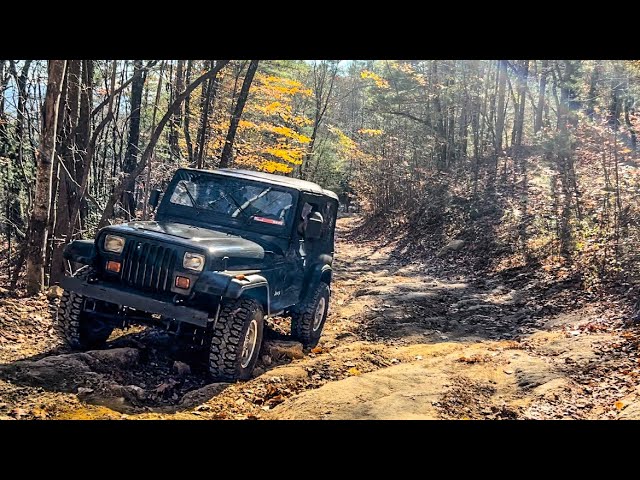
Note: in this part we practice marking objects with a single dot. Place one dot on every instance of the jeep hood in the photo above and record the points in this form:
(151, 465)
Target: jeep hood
(216, 243)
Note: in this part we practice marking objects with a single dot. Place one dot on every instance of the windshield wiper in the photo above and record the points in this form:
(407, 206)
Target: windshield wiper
(235, 202)
(194, 204)
(242, 208)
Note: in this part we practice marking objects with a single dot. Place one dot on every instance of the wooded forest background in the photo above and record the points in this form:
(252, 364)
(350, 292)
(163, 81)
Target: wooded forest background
(533, 161)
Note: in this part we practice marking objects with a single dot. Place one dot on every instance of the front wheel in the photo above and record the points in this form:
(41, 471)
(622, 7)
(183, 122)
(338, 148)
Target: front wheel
(236, 340)
(308, 319)
(79, 328)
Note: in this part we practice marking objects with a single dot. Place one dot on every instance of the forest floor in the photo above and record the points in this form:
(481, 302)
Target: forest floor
(404, 339)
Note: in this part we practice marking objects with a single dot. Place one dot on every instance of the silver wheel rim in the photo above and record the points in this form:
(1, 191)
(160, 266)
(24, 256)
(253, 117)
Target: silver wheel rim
(249, 344)
(317, 318)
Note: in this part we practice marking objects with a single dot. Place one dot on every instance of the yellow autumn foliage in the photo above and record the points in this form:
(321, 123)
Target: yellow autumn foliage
(270, 134)
(290, 155)
(370, 132)
(379, 81)
(270, 131)
(273, 167)
(290, 133)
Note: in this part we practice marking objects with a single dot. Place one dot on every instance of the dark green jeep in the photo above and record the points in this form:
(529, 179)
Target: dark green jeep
(226, 248)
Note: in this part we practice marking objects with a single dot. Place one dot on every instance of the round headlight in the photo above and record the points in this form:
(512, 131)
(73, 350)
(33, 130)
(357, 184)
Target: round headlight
(193, 261)
(113, 243)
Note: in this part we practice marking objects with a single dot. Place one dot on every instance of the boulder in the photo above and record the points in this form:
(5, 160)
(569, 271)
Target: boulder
(181, 368)
(452, 246)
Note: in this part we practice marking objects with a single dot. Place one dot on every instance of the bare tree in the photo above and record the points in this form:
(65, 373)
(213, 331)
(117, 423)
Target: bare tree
(129, 179)
(227, 151)
(323, 78)
(37, 239)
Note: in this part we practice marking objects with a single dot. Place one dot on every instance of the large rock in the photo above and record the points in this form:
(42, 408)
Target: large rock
(281, 348)
(181, 368)
(116, 357)
(452, 246)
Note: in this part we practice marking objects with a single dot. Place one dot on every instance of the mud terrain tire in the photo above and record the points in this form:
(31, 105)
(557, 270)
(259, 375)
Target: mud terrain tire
(307, 320)
(79, 330)
(236, 340)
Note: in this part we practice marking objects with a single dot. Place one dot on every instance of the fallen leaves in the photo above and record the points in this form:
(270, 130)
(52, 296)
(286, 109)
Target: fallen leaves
(354, 371)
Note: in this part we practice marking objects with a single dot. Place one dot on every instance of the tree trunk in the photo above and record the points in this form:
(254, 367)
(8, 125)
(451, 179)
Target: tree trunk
(3, 123)
(174, 148)
(187, 115)
(37, 240)
(147, 183)
(129, 180)
(537, 123)
(500, 114)
(63, 228)
(208, 96)
(227, 151)
(593, 89)
(131, 155)
(321, 76)
(518, 121)
(633, 135)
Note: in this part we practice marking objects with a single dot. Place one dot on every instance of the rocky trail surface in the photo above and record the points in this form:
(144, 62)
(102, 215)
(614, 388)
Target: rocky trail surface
(403, 340)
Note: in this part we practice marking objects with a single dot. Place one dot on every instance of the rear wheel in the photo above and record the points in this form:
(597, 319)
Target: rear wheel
(307, 320)
(236, 340)
(78, 327)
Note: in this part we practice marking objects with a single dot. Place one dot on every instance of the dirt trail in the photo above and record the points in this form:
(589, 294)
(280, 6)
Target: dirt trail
(403, 340)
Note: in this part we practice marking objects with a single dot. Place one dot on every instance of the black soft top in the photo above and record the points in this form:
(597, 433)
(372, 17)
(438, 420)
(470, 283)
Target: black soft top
(283, 181)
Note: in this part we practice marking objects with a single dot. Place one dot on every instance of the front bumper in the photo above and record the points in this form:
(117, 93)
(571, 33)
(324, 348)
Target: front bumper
(125, 296)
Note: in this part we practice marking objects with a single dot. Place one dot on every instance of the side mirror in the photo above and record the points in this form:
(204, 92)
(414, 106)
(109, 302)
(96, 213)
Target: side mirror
(314, 226)
(154, 198)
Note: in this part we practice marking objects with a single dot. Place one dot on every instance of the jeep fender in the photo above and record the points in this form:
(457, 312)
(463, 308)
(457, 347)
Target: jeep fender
(228, 286)
(80, 251)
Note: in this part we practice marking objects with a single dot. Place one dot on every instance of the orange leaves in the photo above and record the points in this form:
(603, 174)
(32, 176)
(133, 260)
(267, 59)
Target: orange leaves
(270, 131)
(289, 133)
(289, 155)
(285, 86)
(378, 80)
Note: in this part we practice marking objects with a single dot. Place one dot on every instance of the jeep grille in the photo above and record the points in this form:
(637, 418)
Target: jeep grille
(148, 266)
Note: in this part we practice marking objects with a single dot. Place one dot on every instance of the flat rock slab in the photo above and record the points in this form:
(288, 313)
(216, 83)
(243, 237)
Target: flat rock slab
(399, 392)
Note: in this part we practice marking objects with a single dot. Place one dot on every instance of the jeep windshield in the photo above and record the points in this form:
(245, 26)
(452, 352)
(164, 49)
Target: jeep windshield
(229, 201)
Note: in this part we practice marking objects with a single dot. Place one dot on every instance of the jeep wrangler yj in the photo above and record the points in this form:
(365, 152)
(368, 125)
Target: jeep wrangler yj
(227, 248)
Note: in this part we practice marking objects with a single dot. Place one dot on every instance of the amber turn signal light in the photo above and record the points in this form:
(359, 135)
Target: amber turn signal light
(182, 282)
(114, 266)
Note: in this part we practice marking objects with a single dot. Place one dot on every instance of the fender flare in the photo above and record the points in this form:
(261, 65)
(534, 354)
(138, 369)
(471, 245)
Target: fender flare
(226, 285)
(80, 251)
